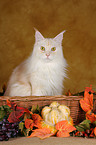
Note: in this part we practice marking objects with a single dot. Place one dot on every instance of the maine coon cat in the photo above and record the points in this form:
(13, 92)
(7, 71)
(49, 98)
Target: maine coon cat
(43, 72)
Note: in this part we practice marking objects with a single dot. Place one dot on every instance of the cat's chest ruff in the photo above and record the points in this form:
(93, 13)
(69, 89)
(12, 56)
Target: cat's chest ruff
(47, 81)
(43, 73)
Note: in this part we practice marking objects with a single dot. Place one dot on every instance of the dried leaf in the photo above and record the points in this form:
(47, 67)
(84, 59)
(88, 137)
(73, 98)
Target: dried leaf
(26, 116)
(91, 116)
(41, 133)
(10, 104)
(95, 131)
(64, 128)
(87, 102)
(16, 113)
(68, 93)
(29, 123)
(37, 119)
(89, 89)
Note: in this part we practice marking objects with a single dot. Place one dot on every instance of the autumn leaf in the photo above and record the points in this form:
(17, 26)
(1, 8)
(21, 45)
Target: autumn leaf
(91, 116)
(43, 124)
(95, 131)
(11, 104)
(26, 116)
(68, 93)
(41, 133)
(37, 120)
(89, 89)
(29, 123)
(84, 125)
(87, 102)
(16, 113)
(64, 128)
(92, 132)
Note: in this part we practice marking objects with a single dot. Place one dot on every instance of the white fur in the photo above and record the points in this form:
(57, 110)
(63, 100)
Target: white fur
(40, 74)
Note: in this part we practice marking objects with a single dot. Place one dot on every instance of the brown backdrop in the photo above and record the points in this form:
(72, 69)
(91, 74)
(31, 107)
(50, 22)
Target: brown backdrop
(18, 19)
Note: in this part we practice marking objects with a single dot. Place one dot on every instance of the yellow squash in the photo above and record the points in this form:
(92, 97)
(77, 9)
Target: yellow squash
(55, 113)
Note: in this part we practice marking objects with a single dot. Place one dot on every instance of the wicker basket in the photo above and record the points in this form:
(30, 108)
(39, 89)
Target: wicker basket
(71, 101)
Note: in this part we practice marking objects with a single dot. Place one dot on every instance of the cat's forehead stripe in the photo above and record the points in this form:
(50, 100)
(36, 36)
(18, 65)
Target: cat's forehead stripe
(48, 43)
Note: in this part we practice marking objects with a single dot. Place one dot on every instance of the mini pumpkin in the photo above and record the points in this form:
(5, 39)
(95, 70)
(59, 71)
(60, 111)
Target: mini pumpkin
(55, 113)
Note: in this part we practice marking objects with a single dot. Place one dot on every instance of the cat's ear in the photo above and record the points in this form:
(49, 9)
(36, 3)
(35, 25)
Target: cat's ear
(59, 37)
(38, 36)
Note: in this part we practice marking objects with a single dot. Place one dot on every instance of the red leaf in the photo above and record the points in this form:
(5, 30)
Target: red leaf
(12, 105)
(29, 123)
(64, 128)
(89, 89)
(13, 118)
(16, 113)
(41, 133)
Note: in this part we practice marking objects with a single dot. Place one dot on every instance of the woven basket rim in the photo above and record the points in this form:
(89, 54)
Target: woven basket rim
(42, 98)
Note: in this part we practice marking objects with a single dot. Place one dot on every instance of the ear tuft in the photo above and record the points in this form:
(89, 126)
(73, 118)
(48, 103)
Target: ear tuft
(59, 37)
(38, 35)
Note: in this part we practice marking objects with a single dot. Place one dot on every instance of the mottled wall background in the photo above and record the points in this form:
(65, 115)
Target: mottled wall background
(18, 19)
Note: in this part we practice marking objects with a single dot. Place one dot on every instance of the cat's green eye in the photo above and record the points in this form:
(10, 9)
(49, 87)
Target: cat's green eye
(53, 48)
(42, 48)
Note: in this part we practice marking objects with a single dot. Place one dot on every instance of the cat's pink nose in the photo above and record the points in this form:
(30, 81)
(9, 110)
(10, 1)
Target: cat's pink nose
(47, 55)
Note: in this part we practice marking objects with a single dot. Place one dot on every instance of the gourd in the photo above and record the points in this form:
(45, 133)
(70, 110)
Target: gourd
(55, 113)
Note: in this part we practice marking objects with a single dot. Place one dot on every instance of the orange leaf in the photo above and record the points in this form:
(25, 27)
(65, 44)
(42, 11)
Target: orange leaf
(92, 133)
(8, 103)
(12, 105)
(89, 89)
(87, 102)
(88, 98)
(29, 123)
(95, 131)
(41, 133)
(62, 134)
(91, 116)
(68, 93)
(86, 107)
(64, 128)
(37, 119)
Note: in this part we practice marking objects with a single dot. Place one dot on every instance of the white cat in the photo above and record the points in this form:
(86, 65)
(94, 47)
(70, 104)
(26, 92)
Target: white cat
(42, 74)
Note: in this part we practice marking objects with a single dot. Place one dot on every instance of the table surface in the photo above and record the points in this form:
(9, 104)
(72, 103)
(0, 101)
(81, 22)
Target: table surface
(50, 141)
